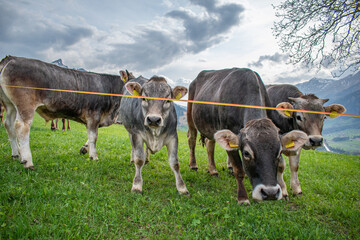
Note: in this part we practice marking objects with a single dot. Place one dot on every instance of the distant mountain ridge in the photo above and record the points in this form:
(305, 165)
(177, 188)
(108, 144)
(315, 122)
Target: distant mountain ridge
(345, 91)
(59, 63)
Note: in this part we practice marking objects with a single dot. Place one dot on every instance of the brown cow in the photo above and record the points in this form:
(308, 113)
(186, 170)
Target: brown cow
(92, 110)
(289, 96)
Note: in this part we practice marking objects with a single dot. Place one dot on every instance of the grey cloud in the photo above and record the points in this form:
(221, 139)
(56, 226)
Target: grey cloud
(277, 58)
(155, 48)
(24, 29)
(150, 49)
(207, 31)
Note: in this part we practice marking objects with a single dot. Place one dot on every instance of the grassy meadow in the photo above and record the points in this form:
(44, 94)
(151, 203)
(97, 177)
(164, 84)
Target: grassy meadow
(68, 196)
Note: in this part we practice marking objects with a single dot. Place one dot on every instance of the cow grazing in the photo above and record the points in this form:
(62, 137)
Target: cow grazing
(153, 123)
(55, 126)
(245, 129)
(94, 111)
(289, 97)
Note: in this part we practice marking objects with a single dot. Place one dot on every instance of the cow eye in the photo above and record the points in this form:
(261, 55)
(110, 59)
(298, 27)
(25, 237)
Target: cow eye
(298, 117)
(247, 154)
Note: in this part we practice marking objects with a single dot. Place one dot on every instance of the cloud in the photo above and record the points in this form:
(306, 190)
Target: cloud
(204, 31)
(27, 31)
(23, 29)
(156, 46)
(276, 58)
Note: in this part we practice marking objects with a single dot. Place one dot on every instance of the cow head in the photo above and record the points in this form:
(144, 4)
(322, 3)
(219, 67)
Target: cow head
(155, 111)
(261, 147)
(126, 75)
(311, 123)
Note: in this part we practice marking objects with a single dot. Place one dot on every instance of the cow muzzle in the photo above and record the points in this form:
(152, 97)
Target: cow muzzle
(262, 192)
(153, 121)
(314, 142)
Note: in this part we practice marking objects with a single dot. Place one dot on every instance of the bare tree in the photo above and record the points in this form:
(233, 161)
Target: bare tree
(320, 33)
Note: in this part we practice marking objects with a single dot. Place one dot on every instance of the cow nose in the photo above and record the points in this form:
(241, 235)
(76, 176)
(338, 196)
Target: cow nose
(316, 141)
(153, 121)
(264, 192)
(272, 193)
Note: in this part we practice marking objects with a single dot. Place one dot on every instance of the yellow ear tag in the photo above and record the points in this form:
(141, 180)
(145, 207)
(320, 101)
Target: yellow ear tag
(124, 79)
(233, 145)
(290, 144)
(178, 96)
(135, 93)
(287, 113)
(333, 115)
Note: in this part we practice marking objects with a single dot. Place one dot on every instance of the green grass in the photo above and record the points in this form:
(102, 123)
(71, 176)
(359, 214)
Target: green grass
(68, 196)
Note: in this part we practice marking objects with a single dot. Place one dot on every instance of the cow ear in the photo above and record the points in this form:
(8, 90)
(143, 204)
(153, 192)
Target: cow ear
(227, 140)
(123, 76)
(333, 109)
(179, 92)
(130, 75)
(285, 113)
(134, 88)
(291, 142)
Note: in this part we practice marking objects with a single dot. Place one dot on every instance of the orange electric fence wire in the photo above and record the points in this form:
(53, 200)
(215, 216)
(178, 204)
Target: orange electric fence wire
(192, 101)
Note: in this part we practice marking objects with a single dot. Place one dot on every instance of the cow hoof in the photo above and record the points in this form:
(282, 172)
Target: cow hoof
(286, 197)
(214, 174)
(186, 192)
(15, 157)
(147, 162)
(136, 190)
(244, 202)
(83, 150)
(194, 168)
(94, 158)
(23, 161)
(298, 194)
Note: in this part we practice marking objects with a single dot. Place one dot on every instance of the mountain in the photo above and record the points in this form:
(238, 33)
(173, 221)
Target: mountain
(59, 63)
(344, 91)
(342, 134)
(181, 116)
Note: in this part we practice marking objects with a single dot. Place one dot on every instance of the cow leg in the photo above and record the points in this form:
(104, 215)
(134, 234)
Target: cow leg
(22, 127)
(68, 122)
(192, 134)
(9, 125)
(239, 174)
(294, 180)
(210, 147)
(175, 166)
(228, 165)
(92, 129)
(146, 155)
(84, 149)
(57, 124)
(138, 155)
(280, 178)
(63, 122)
(53, 125)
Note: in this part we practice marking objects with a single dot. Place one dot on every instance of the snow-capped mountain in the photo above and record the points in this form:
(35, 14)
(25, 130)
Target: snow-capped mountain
(59, 63)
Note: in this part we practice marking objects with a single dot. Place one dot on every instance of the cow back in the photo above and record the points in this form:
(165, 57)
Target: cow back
(237, 86)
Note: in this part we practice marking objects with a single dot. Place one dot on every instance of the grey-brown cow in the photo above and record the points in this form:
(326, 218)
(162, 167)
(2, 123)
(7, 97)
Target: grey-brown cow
(245, 129)
(289, 97)
(94, 111)
(153, 123)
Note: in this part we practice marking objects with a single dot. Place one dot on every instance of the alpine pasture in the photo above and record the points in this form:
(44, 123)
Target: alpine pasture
(68, 196)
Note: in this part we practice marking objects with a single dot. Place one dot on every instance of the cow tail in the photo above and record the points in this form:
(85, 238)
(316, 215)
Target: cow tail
(4, 61)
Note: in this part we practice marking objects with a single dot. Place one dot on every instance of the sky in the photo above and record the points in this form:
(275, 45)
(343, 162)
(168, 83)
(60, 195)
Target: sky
(176, 39)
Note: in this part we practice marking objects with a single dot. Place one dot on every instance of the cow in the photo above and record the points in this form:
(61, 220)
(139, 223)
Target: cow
(54, 124)
(153, 123)
(290, 97)
(21, 80)
(246, 129)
